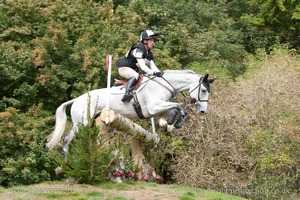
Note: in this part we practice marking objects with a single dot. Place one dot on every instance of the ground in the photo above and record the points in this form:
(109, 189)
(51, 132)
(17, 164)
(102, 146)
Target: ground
(111, 191)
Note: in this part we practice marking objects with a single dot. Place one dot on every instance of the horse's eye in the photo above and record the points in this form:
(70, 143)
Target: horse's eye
(203, 90)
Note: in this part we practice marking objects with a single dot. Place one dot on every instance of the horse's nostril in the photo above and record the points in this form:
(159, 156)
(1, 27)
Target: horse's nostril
(202, 112)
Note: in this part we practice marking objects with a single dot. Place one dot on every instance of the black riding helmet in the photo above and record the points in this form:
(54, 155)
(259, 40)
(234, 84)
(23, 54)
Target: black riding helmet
(147, 35)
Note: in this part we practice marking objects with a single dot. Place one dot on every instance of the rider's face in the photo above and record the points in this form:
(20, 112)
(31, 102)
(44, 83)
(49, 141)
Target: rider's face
(150, 43)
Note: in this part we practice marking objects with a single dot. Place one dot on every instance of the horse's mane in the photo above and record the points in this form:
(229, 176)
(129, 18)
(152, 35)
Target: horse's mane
(179, 71)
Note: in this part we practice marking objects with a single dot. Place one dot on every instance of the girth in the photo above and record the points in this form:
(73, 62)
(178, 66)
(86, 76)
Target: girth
(137, 107)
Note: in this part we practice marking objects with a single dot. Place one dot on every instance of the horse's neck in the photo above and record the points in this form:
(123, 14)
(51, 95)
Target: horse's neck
(180, 82)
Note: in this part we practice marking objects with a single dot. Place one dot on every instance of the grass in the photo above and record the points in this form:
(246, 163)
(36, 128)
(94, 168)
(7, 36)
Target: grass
(190, 193)
(111, 191)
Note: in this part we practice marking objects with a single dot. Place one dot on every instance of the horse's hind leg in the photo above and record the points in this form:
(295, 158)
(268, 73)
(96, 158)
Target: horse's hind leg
(67, 139)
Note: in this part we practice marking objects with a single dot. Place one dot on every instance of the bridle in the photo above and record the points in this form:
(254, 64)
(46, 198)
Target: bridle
(193, 100)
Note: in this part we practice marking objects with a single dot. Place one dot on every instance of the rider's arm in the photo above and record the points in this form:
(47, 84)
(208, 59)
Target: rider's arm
(144, 67)
(153, 66)
(138, 54)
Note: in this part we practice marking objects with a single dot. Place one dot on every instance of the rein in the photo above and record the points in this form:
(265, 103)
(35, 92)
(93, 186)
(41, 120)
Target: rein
(184, 97)
(173, 93)
(173, 90)
(193, 100)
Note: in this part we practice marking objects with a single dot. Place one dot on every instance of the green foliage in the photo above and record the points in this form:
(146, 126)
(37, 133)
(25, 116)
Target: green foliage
(91, 154)
(276, 18)
(50, 51)
(273, 142)
(23, 157)
(19, 89)
(162, 157)
(275, 156)
(90, 157)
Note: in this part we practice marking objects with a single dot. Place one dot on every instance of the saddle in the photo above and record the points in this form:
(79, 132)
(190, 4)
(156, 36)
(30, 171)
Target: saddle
(136, 104)
(118, 82)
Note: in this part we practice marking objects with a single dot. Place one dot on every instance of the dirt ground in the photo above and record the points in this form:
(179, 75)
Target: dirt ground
(137, 192)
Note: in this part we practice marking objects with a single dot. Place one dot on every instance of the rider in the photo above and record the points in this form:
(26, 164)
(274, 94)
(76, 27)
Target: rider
(139, 56)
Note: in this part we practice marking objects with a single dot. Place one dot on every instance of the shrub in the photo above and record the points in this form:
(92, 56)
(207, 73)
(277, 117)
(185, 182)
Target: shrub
(23, 157)
(91, 154)
(249, 140)
(89, 159)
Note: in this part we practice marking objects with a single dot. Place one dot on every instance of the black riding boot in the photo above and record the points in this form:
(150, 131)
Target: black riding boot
(128, 96)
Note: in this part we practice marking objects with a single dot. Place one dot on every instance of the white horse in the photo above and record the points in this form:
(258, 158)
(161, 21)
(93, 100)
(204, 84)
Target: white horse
(154, 95)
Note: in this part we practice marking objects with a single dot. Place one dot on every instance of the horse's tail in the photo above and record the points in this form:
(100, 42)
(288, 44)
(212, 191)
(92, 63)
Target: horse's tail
(60, 125)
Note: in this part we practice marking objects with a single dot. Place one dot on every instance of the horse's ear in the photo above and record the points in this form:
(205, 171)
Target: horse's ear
(205, 78)
(211, 80)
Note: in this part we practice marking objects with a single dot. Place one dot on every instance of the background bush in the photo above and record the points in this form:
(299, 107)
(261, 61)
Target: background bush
(23, 156)
(250, 138)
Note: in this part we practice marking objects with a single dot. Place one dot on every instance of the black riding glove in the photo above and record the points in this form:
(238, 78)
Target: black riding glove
(159, 74)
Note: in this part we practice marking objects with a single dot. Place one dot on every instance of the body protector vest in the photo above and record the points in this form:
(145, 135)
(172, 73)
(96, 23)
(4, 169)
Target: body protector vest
(130, 60)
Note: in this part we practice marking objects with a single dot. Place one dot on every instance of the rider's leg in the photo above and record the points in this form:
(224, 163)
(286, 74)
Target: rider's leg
(132, 75)
(128, 96)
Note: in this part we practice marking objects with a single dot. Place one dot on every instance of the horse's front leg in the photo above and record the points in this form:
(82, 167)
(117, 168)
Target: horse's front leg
(162, 122)
(162, 107)
(172, 116)
(181, 119)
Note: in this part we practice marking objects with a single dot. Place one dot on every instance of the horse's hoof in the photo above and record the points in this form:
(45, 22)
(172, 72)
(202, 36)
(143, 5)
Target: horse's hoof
(170, 128)
(162, 122)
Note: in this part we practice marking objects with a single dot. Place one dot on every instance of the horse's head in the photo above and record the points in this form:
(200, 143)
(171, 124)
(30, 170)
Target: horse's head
(199, 93)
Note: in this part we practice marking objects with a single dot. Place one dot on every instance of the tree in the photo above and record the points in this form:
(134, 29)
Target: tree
(276, 19)
(90, 158)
